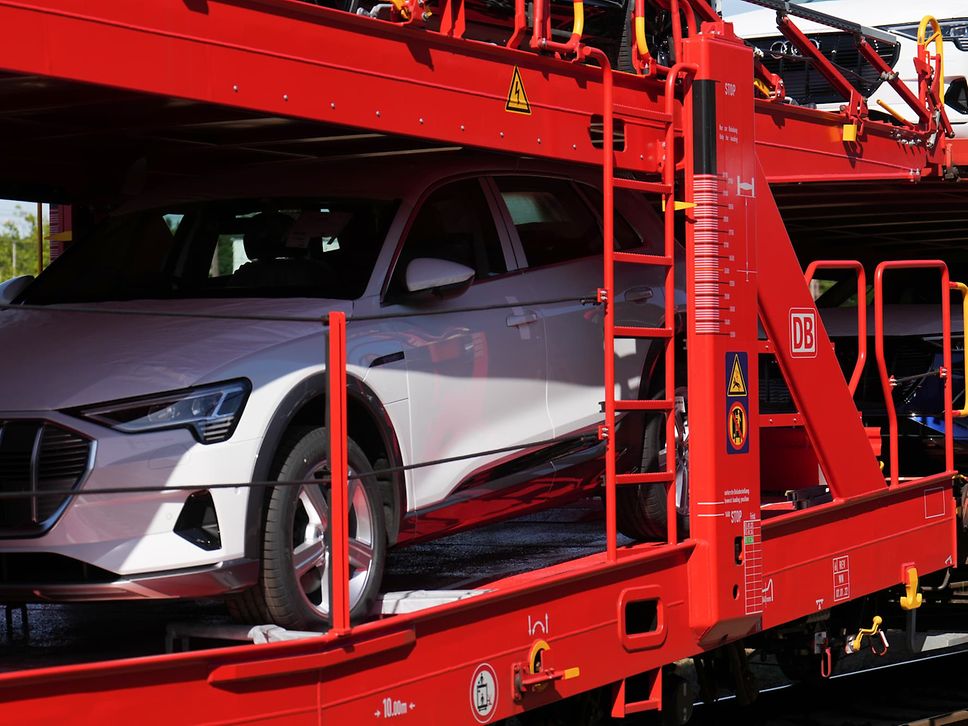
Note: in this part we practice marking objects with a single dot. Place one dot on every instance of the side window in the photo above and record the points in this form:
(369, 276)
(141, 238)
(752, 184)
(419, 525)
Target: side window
(626, 238)
(454, 223)
(553, 221)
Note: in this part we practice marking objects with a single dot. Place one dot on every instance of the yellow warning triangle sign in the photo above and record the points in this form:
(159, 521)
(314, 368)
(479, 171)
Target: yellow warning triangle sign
(517, 99)
(737, 384)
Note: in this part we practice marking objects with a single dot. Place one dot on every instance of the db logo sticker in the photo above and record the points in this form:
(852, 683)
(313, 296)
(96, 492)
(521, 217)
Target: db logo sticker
(483, 693)
(737, 428)
(803, 333)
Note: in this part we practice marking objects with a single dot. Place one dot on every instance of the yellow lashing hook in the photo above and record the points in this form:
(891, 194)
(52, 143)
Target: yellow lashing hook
(911, 599)
(938, 39)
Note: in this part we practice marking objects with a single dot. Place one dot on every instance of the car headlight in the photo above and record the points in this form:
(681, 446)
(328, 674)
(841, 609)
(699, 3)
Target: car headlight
(210, 412)
(953, 29)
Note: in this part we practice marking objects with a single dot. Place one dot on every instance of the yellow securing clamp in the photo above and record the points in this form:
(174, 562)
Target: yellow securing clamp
(762, 87)
(534, 657)
(912, 599)
(578, 24)
(640, 41)
(870, 632)
(938, 39)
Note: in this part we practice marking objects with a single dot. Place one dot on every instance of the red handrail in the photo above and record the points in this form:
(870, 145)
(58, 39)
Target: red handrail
(861, 309)
(944, 373)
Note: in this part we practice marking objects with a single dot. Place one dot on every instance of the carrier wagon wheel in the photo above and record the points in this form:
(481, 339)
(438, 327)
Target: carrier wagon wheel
(293, 586)
(641, 510)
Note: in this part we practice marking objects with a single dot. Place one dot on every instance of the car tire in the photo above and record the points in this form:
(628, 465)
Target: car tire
(296, 519)
(640, 511)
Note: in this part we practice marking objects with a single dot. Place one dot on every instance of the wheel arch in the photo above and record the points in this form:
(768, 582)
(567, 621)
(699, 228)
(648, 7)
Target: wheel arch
(368, 424)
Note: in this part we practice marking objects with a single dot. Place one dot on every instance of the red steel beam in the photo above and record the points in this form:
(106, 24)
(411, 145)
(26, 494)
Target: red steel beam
(294, 59)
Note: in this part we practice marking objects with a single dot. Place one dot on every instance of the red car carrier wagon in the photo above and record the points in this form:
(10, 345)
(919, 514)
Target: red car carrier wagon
(800, 524)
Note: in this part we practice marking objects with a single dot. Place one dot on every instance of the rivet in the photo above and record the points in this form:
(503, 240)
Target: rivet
(502, 134)
(332, 104)
(378, 114)
(285, 96)
(539, 139)
(574, 147)
(462, 127)
(421, 120)
(235, 88)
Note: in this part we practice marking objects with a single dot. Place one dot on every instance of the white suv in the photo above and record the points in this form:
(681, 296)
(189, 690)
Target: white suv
(99, 400)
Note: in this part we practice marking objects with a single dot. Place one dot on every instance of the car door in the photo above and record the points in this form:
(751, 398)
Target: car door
(558, 234)
(477, 368)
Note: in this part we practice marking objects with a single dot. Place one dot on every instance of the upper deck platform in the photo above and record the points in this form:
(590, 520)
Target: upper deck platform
(90, 87)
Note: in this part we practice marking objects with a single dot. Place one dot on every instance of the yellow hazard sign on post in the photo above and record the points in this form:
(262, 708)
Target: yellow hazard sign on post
(517, 98)
(737, 383)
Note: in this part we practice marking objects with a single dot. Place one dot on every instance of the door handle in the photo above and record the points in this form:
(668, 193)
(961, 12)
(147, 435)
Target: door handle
(525, 318)
(638, 294)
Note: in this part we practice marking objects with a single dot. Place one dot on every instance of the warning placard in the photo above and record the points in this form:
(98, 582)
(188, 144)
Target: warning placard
(737, 403)
(517, 101)
(737, 380)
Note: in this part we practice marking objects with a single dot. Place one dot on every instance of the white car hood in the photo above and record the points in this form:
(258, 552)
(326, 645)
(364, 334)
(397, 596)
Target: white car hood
(872, 13)
(60, 359)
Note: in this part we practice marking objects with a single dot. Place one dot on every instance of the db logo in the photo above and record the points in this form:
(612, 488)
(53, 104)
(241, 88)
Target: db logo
(803, 333)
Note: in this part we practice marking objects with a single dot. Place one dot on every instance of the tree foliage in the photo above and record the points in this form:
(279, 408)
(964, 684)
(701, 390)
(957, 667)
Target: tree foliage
(18, 244)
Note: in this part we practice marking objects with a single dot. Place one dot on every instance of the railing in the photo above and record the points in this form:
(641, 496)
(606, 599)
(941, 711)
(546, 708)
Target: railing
(887, 382)
(861, 309)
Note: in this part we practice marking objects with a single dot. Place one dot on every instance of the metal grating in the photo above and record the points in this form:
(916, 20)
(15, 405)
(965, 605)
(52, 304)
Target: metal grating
(38, 457)
(805, 84)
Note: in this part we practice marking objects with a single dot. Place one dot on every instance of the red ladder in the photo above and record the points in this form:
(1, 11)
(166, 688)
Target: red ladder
(606, 295)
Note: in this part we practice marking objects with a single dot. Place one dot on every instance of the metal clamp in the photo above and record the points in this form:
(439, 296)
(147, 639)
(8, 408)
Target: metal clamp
(876, 636)
(537, 673)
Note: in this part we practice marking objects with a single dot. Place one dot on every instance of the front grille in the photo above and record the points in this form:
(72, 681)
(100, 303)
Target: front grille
(961, 42)
(805, 84)
(38, 457)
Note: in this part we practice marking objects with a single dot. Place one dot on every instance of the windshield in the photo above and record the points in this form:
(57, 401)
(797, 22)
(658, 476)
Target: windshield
(256, 248)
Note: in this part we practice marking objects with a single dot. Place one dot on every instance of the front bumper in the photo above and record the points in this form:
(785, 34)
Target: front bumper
(131, 536)
(197, 582)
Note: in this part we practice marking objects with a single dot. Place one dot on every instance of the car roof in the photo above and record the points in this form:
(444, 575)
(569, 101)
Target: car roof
(370, 177)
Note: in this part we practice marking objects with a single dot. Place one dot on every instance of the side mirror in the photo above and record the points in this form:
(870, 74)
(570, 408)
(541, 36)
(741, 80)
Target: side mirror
(10, 290)
(428, 273)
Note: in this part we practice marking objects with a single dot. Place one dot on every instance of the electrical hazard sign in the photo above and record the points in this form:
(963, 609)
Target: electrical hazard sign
(517, 101)
(737, 381)
(737, 403)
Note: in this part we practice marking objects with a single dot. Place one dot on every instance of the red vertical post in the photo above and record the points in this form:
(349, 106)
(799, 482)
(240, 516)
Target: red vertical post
(339, 566)
(722, 278)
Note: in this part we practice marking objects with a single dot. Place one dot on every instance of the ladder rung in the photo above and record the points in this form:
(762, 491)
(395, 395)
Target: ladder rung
(647, 405)
(629, 331)
(646, 477)
(642, 186)
(642, 259)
